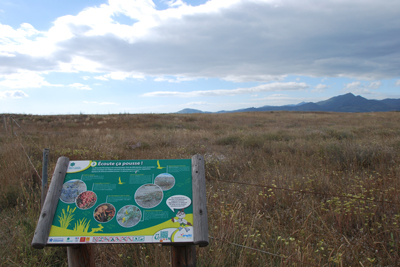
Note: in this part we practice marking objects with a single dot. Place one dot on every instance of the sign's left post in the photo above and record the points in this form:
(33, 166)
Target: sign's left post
(80, 255)
(50, 204)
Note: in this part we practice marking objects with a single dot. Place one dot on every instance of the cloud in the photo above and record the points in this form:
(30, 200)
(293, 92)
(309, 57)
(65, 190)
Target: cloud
(290, 86)
(277, 97)
(101, 78)
(196, 103)
(353, 85)
(320, 88)
(397, 83)
(24, 80)
(5, 54)
(80, 86)
(240, 40)
(121, 76)
(13, 94)
(253, 78)
(173, 80)
(375, 85)
(100, 103)
(282, 99)
(359, 88)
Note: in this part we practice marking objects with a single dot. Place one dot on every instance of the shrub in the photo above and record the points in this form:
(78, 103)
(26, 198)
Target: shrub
(228, 140)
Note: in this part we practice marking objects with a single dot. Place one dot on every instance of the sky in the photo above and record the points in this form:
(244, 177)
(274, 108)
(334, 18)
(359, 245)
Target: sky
(161, 56)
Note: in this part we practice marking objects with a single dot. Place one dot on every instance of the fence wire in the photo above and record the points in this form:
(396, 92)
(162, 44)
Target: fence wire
(33, 166)
(263, 251)
(306, 191)
(23, 148)
(22, 129)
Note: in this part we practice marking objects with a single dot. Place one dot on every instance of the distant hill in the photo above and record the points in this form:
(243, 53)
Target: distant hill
(190, 110)
(341, 103)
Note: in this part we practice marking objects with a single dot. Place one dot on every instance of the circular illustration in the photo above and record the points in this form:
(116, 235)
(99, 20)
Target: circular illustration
(165, 180)
(148, 196)
(71, 190)
(104, 212)
(129, 216)
(86, 200)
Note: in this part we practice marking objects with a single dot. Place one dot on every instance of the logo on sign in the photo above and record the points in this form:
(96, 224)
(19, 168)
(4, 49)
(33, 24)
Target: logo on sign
(118, 239)
(56, 239)
(162, 236)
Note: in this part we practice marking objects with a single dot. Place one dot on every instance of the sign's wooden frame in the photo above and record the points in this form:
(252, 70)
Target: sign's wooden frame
(84, 252)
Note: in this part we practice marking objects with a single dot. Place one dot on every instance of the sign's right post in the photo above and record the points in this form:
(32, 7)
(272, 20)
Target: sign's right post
(185, 255)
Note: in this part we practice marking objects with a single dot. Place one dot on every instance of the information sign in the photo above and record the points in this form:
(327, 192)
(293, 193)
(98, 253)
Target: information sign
(125, 201)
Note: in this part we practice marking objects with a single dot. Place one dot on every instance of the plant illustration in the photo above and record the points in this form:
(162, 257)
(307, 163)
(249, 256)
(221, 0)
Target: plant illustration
(66, 217)
(82, 225)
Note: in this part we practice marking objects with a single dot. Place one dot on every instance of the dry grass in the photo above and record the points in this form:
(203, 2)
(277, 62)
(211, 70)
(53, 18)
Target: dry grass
(332, 153)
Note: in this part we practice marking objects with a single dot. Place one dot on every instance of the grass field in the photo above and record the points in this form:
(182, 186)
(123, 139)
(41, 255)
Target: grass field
(333, 154)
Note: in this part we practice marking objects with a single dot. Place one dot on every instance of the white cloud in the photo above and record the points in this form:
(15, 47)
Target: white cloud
(173, 80)
(13, 94)
(238, 40)
(397, 83)
(290, 86)
(375, 85)
(121, 76)
(80, 86)
(80, 63)
(6, 54)
(175, 3)
(101, 78)
(99, 103)
(353, 85)
(254, 78)
(282, 99)
(359, 88)
(277, 97)
(360, 91)
(320, 87)
(24, 80)
(196, 103)
(85, 78)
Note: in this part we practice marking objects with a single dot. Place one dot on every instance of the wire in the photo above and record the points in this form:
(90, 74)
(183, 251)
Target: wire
(25, 133)
(306, 192)
(31, 162)
(263, 251)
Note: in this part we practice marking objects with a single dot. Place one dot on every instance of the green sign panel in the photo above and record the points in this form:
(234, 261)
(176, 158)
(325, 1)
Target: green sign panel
(125, 201)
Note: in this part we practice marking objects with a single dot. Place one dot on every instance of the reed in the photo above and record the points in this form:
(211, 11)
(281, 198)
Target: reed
(82, 225)
(333, 154)
(66, 217)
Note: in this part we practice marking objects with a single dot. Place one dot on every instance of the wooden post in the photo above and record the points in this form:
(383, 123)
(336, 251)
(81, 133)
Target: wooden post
(183, 256)
(44, 175)
(5, 123)
(200, 223)
(80, 256)
(11, 127)
(50, 204)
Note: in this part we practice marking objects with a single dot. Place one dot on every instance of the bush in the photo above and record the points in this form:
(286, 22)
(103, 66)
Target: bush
(228, 140)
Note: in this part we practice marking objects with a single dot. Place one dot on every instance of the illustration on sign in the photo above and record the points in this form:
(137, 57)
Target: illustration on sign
(132, 201)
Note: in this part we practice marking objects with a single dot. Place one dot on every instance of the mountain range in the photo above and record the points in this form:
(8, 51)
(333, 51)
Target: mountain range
(342, 103)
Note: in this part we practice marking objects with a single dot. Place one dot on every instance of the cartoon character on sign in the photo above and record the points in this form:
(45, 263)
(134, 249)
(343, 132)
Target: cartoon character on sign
(100, 229)
(183, 223)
